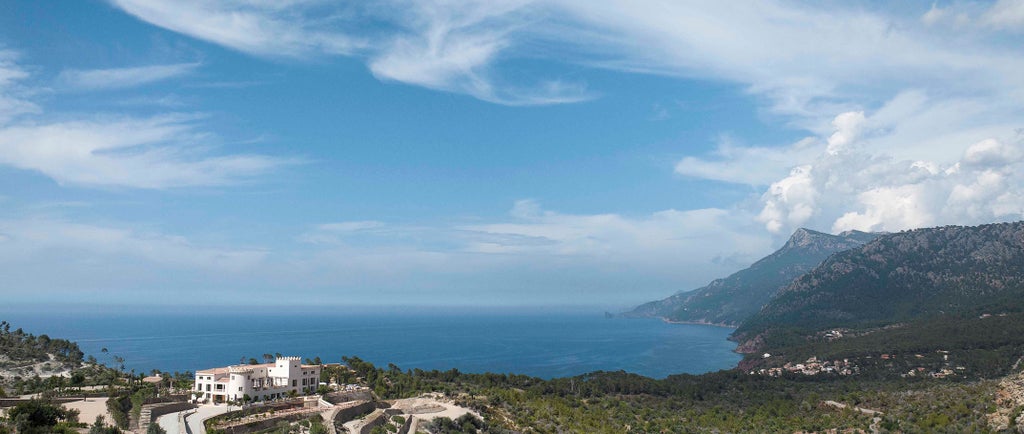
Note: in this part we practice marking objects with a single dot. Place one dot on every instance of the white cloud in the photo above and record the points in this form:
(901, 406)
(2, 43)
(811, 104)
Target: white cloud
(790, 202)
(12, 102)
(809, 61)
(162, 151)
(153, 152)
(751, 165)
(113, 78)
(1005, 14)
(847, 128)
(876, 192)
(47, 258)
(657, 237)
(265, 28)
(442, 45)
(535, 251)
(40, 236)
(451, 46)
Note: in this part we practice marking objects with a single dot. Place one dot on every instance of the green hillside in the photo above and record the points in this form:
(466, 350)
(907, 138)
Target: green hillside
(955, 291)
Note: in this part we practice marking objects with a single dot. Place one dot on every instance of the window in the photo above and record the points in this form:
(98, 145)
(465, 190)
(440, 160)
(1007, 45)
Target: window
(295, 383)
(239, 389)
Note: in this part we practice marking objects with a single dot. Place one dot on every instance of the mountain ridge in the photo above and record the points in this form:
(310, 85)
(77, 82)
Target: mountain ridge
(729, 301)
(902, 277)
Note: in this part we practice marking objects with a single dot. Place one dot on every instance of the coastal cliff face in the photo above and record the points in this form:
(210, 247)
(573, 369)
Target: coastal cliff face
(903, 277)
(731, 300)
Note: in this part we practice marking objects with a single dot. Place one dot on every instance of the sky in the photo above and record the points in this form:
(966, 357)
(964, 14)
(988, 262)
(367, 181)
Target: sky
(483, 153)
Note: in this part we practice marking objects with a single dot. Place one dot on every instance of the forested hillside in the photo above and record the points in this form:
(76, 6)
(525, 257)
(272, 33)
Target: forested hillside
(905, 276)
(21, 352)
(945, 301)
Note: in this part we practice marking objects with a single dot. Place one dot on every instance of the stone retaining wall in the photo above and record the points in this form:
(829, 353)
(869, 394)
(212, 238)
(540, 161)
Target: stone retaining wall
(374, 421)
(349, 395)
(150, 412)
(347, 414)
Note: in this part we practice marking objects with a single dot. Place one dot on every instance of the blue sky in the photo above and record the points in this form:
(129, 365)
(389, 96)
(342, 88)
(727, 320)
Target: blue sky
(501, 153)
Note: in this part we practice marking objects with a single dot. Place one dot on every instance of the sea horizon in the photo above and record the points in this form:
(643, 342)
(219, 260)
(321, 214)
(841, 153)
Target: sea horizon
(545, 344)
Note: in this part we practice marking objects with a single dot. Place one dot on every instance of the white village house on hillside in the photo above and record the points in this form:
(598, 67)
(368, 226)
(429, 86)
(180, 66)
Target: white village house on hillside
(259, 382)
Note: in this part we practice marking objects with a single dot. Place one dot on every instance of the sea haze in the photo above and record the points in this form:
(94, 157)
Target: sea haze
(549, 344)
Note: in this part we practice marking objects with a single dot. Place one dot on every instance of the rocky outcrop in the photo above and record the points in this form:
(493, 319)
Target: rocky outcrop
(1009, 404)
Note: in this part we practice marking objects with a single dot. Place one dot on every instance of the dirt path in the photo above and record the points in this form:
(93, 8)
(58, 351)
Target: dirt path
(875, 420)
(90, 409)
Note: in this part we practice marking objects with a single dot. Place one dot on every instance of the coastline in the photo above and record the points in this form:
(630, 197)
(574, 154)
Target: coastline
(544, 345)
(707, 323)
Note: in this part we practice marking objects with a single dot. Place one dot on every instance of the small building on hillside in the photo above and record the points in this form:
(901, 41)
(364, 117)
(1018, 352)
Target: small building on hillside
(258, 382)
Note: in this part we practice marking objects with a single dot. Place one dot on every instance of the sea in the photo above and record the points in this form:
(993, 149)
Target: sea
(540, 343)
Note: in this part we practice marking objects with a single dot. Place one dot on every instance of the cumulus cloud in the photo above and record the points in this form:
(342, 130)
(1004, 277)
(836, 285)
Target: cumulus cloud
(847, 127)
(753, 165)
(873, 191)
(790, 201)
(113, 78)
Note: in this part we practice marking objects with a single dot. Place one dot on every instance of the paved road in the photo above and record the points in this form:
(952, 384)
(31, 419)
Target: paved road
(169, 422)
(195, 420)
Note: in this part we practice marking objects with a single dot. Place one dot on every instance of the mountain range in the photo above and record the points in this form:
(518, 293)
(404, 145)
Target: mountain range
(903, 277)
(957, 291)
(732, 300)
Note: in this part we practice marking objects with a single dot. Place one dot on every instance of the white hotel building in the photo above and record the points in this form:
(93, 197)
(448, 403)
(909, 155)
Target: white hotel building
(263, 382)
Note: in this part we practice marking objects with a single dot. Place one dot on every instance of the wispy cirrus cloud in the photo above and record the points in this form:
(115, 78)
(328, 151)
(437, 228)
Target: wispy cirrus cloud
(13, 101)
(453, 46)
(805, 59)
(162, 151)
(273, 29)
(1001, 15)
(116, 78)
(47, 257)
(42, 235)
(441, 45)
(664, 243)
(152, 153)
(530, 256)
(1005, 14)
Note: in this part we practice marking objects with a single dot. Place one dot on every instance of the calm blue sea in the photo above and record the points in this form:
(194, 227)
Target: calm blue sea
(539, 344)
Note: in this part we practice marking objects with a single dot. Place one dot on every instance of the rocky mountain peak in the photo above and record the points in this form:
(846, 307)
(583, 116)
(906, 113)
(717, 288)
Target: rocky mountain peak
(803, 237)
